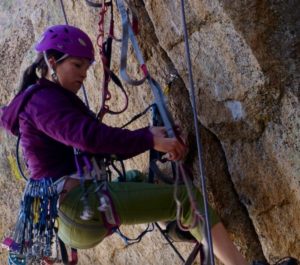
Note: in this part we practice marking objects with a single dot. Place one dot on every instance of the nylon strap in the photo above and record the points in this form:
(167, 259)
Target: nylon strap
(127, 33)
(105, 51)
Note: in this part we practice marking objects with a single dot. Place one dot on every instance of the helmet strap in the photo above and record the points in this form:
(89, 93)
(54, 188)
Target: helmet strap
(52, 72)
(62, 58)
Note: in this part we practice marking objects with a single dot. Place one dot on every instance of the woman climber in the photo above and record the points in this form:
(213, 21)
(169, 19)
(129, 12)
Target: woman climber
(51, 120)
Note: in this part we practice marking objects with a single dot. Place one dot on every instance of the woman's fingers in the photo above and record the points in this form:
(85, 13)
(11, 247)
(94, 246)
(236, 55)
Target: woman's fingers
(174, 149)
(158, 131)
(179, 152)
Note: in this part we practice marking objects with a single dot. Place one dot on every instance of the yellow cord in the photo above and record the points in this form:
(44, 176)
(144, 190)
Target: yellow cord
(166, 90)
(36, 207)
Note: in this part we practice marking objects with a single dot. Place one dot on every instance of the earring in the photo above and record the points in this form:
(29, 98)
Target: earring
(54, 76)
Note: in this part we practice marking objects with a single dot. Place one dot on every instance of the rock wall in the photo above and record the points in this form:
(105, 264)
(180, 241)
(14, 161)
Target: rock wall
(244, 56)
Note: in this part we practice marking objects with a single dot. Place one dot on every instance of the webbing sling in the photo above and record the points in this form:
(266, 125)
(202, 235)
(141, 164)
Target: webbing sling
(105, 51)
(127, 33)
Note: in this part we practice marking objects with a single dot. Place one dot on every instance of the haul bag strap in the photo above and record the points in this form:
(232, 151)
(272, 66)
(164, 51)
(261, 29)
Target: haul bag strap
(64, 254)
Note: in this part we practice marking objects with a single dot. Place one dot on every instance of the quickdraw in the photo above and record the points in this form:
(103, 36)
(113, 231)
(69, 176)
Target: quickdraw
(36, 225)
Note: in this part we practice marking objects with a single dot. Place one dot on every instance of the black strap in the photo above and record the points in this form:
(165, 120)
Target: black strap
(118, 83)
(93, 4)
(18, 158)
(137, 116)
(157, 156)
(155, 171)
(197, 249)
(154, 155)
(64, 11)
(64, 252)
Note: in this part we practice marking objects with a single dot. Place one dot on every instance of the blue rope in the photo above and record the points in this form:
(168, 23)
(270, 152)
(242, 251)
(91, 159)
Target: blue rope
(14, 259)
(130, 241)
(64, 12)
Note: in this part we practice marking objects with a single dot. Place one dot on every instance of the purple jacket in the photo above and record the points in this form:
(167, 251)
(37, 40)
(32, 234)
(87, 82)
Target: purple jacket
(53, 120)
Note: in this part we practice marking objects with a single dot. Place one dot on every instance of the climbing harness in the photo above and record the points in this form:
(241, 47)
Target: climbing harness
(99, 175)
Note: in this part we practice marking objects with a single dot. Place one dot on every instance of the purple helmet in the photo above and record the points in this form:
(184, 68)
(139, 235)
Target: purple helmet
(67, 39)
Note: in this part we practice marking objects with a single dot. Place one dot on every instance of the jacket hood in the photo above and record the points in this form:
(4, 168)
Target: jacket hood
(9, 115)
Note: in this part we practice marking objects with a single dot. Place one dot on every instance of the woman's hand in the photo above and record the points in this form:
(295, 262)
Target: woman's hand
(175, 149)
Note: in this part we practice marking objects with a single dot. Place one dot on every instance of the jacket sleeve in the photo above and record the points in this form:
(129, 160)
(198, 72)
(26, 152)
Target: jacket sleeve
(59, 118)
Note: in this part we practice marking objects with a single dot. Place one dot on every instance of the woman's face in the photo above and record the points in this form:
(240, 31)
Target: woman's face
(71, 72)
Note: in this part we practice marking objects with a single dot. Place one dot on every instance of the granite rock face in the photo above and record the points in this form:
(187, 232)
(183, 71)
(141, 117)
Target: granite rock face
(246, 73)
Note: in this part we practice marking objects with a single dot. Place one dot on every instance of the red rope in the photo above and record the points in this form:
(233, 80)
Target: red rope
(101, 24)
(105, 61)
(105, 55)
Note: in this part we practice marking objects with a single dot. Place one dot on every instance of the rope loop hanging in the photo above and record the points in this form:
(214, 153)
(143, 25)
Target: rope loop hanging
(105, 52)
